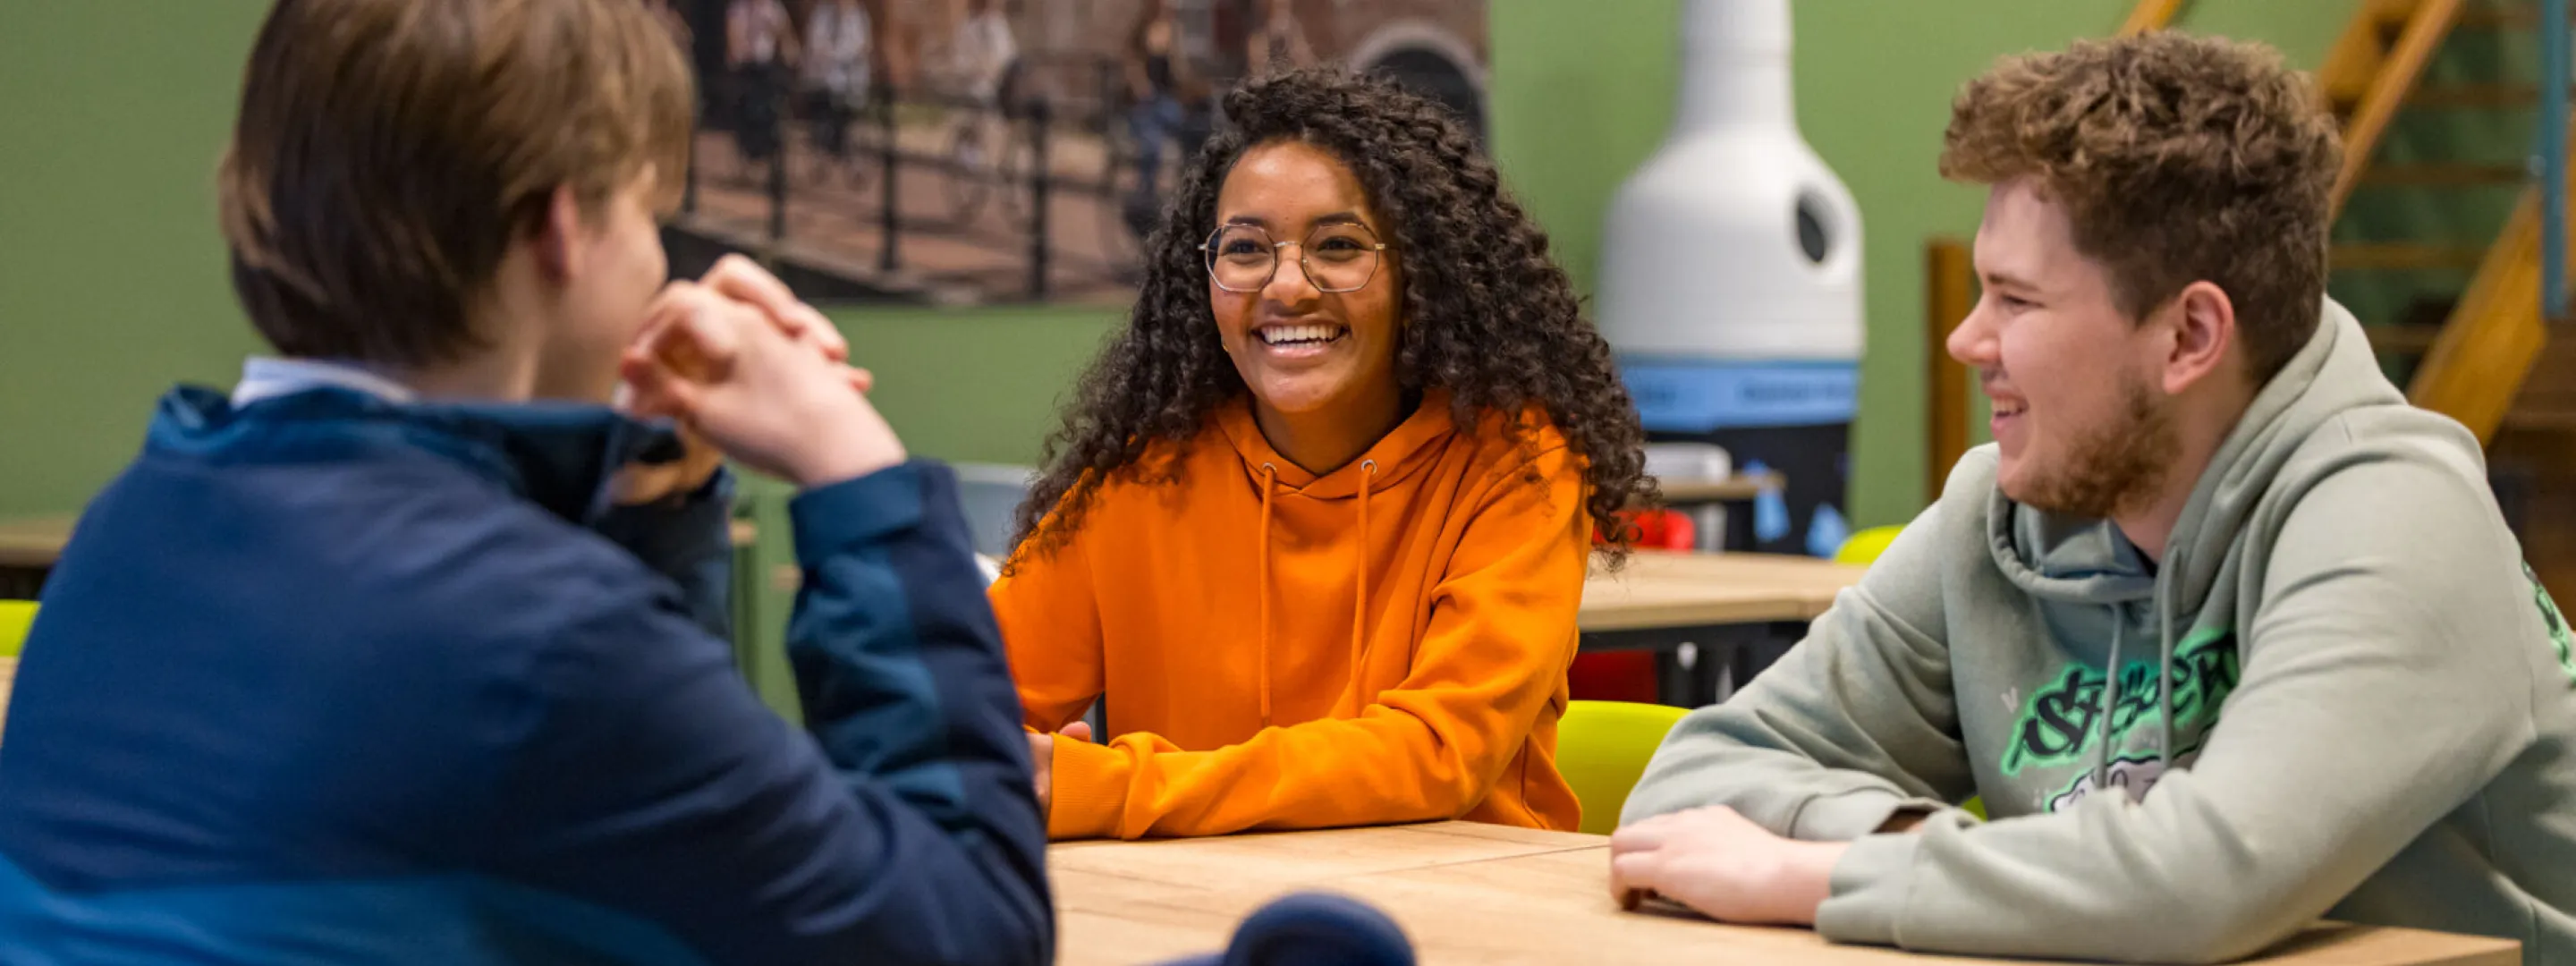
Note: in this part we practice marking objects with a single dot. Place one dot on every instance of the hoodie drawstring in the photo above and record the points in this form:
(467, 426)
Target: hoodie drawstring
(1360, 584)
(1359, 593)
(2165, 685)
(2164, 696)
(1360, 588)
(2164, 689)
(2110, 699)
(1269, 479)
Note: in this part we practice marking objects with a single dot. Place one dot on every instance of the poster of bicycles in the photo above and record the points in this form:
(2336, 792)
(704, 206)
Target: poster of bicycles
(983, 152)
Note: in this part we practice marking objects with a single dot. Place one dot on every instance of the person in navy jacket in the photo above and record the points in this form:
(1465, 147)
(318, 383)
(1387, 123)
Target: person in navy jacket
(410, 648)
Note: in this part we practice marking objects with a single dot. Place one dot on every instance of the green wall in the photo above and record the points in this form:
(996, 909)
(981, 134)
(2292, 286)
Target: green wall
(111, 275)
(975, 387)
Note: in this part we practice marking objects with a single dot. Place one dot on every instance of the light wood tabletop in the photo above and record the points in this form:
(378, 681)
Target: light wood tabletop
(1659, 589)
(33, 542)
(36, 542)
(1470, 893)
(8, 679)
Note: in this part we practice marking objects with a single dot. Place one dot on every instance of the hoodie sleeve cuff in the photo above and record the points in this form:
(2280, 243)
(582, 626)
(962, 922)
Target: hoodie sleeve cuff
(1852, 815)
(1870, 887)
(856, 512)
(1090, 790)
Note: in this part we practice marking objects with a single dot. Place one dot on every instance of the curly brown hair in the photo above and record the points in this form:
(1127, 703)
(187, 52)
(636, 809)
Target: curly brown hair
(1489, 316)
(2178, 159)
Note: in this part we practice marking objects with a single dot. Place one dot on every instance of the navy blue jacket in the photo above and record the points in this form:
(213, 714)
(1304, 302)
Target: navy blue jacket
(325, 679)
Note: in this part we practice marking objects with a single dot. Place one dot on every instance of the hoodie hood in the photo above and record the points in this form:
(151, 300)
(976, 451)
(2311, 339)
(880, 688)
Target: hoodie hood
(2333, 375)
(1405, 450)
(2067, 559)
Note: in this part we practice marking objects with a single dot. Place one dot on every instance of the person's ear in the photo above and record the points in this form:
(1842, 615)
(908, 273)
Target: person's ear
(2201, 326)
(557, 237)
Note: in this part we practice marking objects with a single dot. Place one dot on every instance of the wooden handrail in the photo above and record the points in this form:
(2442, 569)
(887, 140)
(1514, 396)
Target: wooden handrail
(2425, 27)
(2150, 16)
(2488, 345)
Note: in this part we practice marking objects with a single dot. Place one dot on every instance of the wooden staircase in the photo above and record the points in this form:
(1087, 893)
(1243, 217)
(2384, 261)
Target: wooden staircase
(2491, 360)
(2475, 363)
(2483, 362)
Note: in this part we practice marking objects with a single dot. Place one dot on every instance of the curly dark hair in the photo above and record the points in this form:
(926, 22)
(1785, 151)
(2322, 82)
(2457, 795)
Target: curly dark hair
(1489, 316)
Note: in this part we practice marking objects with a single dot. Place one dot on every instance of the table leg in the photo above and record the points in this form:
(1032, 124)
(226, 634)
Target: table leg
(1709, 519)
(1675, 684)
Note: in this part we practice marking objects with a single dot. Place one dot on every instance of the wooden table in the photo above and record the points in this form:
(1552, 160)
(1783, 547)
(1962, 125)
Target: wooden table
(1660, 590)
(1470, 893)
(1686, 491)
(27, 551)
(29, 547)
(1737, 612)
(33, 542)
(8, 678)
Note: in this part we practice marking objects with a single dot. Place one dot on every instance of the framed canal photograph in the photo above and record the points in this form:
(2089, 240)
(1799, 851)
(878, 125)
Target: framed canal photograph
(979, 152)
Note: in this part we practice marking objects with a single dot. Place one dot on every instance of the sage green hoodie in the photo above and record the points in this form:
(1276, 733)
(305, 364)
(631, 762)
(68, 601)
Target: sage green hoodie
(2371, 710)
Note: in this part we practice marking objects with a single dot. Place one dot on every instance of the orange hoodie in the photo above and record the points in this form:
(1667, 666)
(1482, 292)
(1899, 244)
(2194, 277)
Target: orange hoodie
(1249, 681)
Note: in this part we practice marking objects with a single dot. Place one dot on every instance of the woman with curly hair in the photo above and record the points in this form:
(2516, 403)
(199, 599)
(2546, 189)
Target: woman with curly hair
(1317, 522)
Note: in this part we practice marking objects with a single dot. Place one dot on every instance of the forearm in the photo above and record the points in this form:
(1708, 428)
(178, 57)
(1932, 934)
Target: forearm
(1781, 788)
(1807, 751)
(896, 654)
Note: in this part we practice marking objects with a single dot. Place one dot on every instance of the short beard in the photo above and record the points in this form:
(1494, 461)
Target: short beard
(2114, 470)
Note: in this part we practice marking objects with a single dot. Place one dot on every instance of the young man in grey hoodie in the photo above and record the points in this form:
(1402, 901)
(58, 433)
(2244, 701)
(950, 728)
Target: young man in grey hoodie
(2225, 634)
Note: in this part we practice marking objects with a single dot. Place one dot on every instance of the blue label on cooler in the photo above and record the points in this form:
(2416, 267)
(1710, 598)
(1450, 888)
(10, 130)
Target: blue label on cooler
(1697, 396)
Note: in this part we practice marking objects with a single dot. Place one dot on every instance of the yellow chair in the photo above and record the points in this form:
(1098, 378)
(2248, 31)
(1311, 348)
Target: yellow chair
(1863, 548)
(1601, 749)
(15, 617)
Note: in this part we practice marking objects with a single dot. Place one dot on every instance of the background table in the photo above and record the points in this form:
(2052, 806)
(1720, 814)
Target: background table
(1683, 491)
(27, 551)
(8, 679)
(1471, 893)
(1738, 611)
(29, 548)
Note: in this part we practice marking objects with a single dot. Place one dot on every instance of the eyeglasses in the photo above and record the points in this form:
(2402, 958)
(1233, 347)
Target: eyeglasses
(1339, 257)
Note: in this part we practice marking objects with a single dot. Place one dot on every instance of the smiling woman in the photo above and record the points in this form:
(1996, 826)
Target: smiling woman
(1317, 524)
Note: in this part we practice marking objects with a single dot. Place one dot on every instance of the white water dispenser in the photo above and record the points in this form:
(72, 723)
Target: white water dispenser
(1730, 277)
